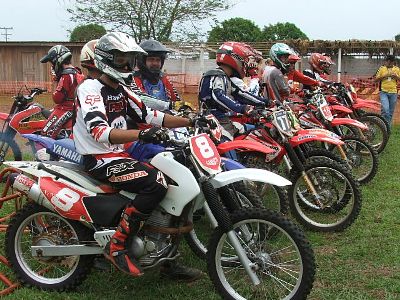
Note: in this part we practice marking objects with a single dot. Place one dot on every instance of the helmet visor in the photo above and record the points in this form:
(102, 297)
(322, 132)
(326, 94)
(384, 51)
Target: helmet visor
(123, 60)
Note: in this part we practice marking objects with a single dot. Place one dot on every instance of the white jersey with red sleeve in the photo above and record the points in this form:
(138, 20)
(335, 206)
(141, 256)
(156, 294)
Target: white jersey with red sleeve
(100, 108)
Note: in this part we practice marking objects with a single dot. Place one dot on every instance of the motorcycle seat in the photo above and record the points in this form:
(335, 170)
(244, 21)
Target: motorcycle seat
(75, 173)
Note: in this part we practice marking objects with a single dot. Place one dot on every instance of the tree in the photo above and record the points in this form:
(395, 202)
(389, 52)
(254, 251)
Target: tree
(283, 31)
(397, 37)
(84, 33)
(144, 19)
(235, 29)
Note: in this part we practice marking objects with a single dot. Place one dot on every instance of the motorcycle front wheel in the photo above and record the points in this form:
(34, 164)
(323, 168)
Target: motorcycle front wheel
(377, 134)
(197, 239)
(338, 193)
(278, 250)
(36, 225)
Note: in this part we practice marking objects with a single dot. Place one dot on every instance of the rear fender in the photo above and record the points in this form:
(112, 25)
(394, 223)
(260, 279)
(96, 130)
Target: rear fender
(252, 174)
(45, 141)
(243, 145)
(348, 121)
(315, 135)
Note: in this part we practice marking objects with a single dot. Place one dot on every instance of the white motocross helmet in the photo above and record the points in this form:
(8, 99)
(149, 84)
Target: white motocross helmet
(115, 55)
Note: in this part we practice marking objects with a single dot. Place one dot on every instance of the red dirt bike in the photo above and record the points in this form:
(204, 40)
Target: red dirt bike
(51, 242)
(378, 128)
(360, 156)
(25, 116)
(324, 195)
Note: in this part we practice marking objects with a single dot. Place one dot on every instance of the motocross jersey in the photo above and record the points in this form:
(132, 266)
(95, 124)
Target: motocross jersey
(64, 94)
(101, 108)
(222, 96)
(275, 84)
(162, 89)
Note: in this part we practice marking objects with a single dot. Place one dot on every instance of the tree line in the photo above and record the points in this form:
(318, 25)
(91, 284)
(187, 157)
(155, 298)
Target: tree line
(167, 20)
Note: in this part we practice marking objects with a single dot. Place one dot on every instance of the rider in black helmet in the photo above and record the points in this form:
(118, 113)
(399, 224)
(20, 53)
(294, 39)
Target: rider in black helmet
(149, 78)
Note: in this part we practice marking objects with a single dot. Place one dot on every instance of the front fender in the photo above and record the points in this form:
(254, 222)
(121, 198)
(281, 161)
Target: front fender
(340, 108)
(252, 174)
(313, 135)
(347, 121)
(243, 145)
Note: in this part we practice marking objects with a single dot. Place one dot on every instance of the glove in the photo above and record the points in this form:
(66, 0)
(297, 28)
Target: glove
(250, 111)
(202, 121)
(154, 135)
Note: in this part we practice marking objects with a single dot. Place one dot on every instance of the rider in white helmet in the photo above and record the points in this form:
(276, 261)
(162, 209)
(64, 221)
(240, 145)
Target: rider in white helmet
(276, 87)
(87, 60)
(101, 130)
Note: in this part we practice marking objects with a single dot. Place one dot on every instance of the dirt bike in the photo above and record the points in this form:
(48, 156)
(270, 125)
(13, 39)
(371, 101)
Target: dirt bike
(25, 117)
(51, 242)
(324, 196)
(358, 154)
(242, 192)
(378, 128)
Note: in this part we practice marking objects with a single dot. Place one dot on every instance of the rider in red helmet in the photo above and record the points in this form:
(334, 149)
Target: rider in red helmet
(219, 94)
(68, 77)
(296, 76)
(320, 67)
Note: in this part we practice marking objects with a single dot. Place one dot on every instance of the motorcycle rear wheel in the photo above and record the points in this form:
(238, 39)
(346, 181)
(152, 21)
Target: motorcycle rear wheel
(280, 254)
(36, 225)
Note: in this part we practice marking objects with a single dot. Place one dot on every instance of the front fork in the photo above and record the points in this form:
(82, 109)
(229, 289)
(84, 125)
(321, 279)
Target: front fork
(299, 166)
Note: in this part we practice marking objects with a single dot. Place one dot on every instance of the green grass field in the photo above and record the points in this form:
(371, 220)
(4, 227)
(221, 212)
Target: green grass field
(361, 263)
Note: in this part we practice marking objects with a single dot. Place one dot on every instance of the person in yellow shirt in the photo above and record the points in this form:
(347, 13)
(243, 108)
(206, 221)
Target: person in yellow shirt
(388, 76)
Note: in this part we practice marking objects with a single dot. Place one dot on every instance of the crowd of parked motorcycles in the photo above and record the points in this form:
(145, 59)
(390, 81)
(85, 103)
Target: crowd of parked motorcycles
(301, 156)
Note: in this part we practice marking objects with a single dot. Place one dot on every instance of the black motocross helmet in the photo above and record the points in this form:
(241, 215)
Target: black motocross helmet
(153, 49)
(57, 55)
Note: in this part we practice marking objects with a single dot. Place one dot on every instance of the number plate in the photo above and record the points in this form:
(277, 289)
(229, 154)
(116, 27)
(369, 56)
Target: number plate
(205, 153)
(281, 121)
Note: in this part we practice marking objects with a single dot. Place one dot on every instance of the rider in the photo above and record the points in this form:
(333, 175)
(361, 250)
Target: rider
(102, 107)
(67, 77)
(296, 76)
(275, 85)
(218, 93)
(320, 67)
(149, 77)
(87, 60)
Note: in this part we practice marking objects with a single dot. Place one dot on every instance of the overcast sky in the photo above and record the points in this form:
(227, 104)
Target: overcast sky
(47, 20)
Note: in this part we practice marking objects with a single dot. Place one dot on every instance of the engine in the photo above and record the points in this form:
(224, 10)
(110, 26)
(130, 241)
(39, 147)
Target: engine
(150, 246)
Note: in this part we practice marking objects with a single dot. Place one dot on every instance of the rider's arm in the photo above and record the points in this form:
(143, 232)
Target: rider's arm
(245, 97)
(219, 89)
(304, 79)
(63, 88)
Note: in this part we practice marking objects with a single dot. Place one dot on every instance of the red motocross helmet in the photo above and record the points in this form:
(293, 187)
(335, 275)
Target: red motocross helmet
(320, 62)
(236, 55)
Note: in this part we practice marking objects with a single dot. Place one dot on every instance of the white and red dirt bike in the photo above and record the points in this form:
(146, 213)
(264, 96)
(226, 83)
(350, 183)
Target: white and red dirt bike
(252, 254)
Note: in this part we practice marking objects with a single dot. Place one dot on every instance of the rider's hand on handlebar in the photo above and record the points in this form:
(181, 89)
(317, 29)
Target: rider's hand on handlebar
(202, 121)
(153, 135)
(249, 111)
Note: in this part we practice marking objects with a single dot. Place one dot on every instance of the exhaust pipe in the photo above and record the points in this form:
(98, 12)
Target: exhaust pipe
(30, 188)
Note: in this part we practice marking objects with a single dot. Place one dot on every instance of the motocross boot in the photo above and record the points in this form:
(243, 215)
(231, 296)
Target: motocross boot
(116, 249)
(176, 271)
